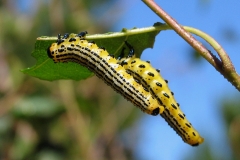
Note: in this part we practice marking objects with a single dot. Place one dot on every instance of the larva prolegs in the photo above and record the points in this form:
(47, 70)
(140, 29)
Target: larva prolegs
(74, 48)
(157, 86)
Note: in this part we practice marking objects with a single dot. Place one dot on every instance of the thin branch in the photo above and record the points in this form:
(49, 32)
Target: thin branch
(183, 33)
(218, 48)
(225, 66)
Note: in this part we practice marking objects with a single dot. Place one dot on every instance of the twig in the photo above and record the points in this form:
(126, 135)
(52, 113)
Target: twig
(225, 66)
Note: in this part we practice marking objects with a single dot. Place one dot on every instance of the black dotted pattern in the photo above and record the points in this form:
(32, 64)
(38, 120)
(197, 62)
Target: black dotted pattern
(152, 80)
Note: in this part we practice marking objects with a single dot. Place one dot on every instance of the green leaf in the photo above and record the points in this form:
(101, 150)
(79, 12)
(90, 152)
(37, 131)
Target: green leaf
(46, 69)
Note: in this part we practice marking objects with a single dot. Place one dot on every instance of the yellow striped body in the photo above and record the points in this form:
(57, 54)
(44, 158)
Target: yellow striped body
(77, 49)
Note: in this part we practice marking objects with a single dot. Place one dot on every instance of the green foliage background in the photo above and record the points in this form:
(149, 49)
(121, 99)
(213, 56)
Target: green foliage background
(61, 119)
(68, 119)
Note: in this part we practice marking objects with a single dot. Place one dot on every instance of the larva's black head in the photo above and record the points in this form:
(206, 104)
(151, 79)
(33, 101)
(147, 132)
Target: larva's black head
(49, 52)
(155, 111)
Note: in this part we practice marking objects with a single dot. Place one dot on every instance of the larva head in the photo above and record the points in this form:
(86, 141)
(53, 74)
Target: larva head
(56, 50)
(157, 108)
(154, 109)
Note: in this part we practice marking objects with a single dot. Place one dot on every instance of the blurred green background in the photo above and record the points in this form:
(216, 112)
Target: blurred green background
(67, 119)
(62, 119)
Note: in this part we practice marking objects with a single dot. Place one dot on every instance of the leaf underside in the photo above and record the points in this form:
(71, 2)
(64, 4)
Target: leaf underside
(46, 69)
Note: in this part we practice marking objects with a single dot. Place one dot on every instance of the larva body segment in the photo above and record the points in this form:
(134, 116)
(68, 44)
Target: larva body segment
(77, 49)
(153, 81)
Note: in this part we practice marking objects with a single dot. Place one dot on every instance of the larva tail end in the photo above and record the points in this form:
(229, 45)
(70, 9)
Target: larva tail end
(200, 140)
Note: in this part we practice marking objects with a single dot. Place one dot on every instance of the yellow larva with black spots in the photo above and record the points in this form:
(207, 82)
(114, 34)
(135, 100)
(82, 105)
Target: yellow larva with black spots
(153, 81)
(74, 48)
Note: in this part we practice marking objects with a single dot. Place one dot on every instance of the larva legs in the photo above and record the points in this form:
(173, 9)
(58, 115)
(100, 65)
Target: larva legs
(152, 80)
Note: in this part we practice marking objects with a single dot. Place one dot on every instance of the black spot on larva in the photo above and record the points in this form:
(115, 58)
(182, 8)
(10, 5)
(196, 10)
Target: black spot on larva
(166, 81)
(129, 72)
(136, 80)
(70, 49)
(166, 110)
(172, 93)
(145, 89)
(181, 116)
(133, 62)
(148, 61)
(141, 66)
(123, 63)
(188, 125)
(160, 101)
(159, 84)
(178, 104)
(72, 45)
(151, 74)
(71, 40)
(175, 121)
(194, 133)
(155, 112)
(60, 50)
(57, 56)
(87, 49)
(166, 95)
(173, 105)
(158, 70)
(76, 49)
